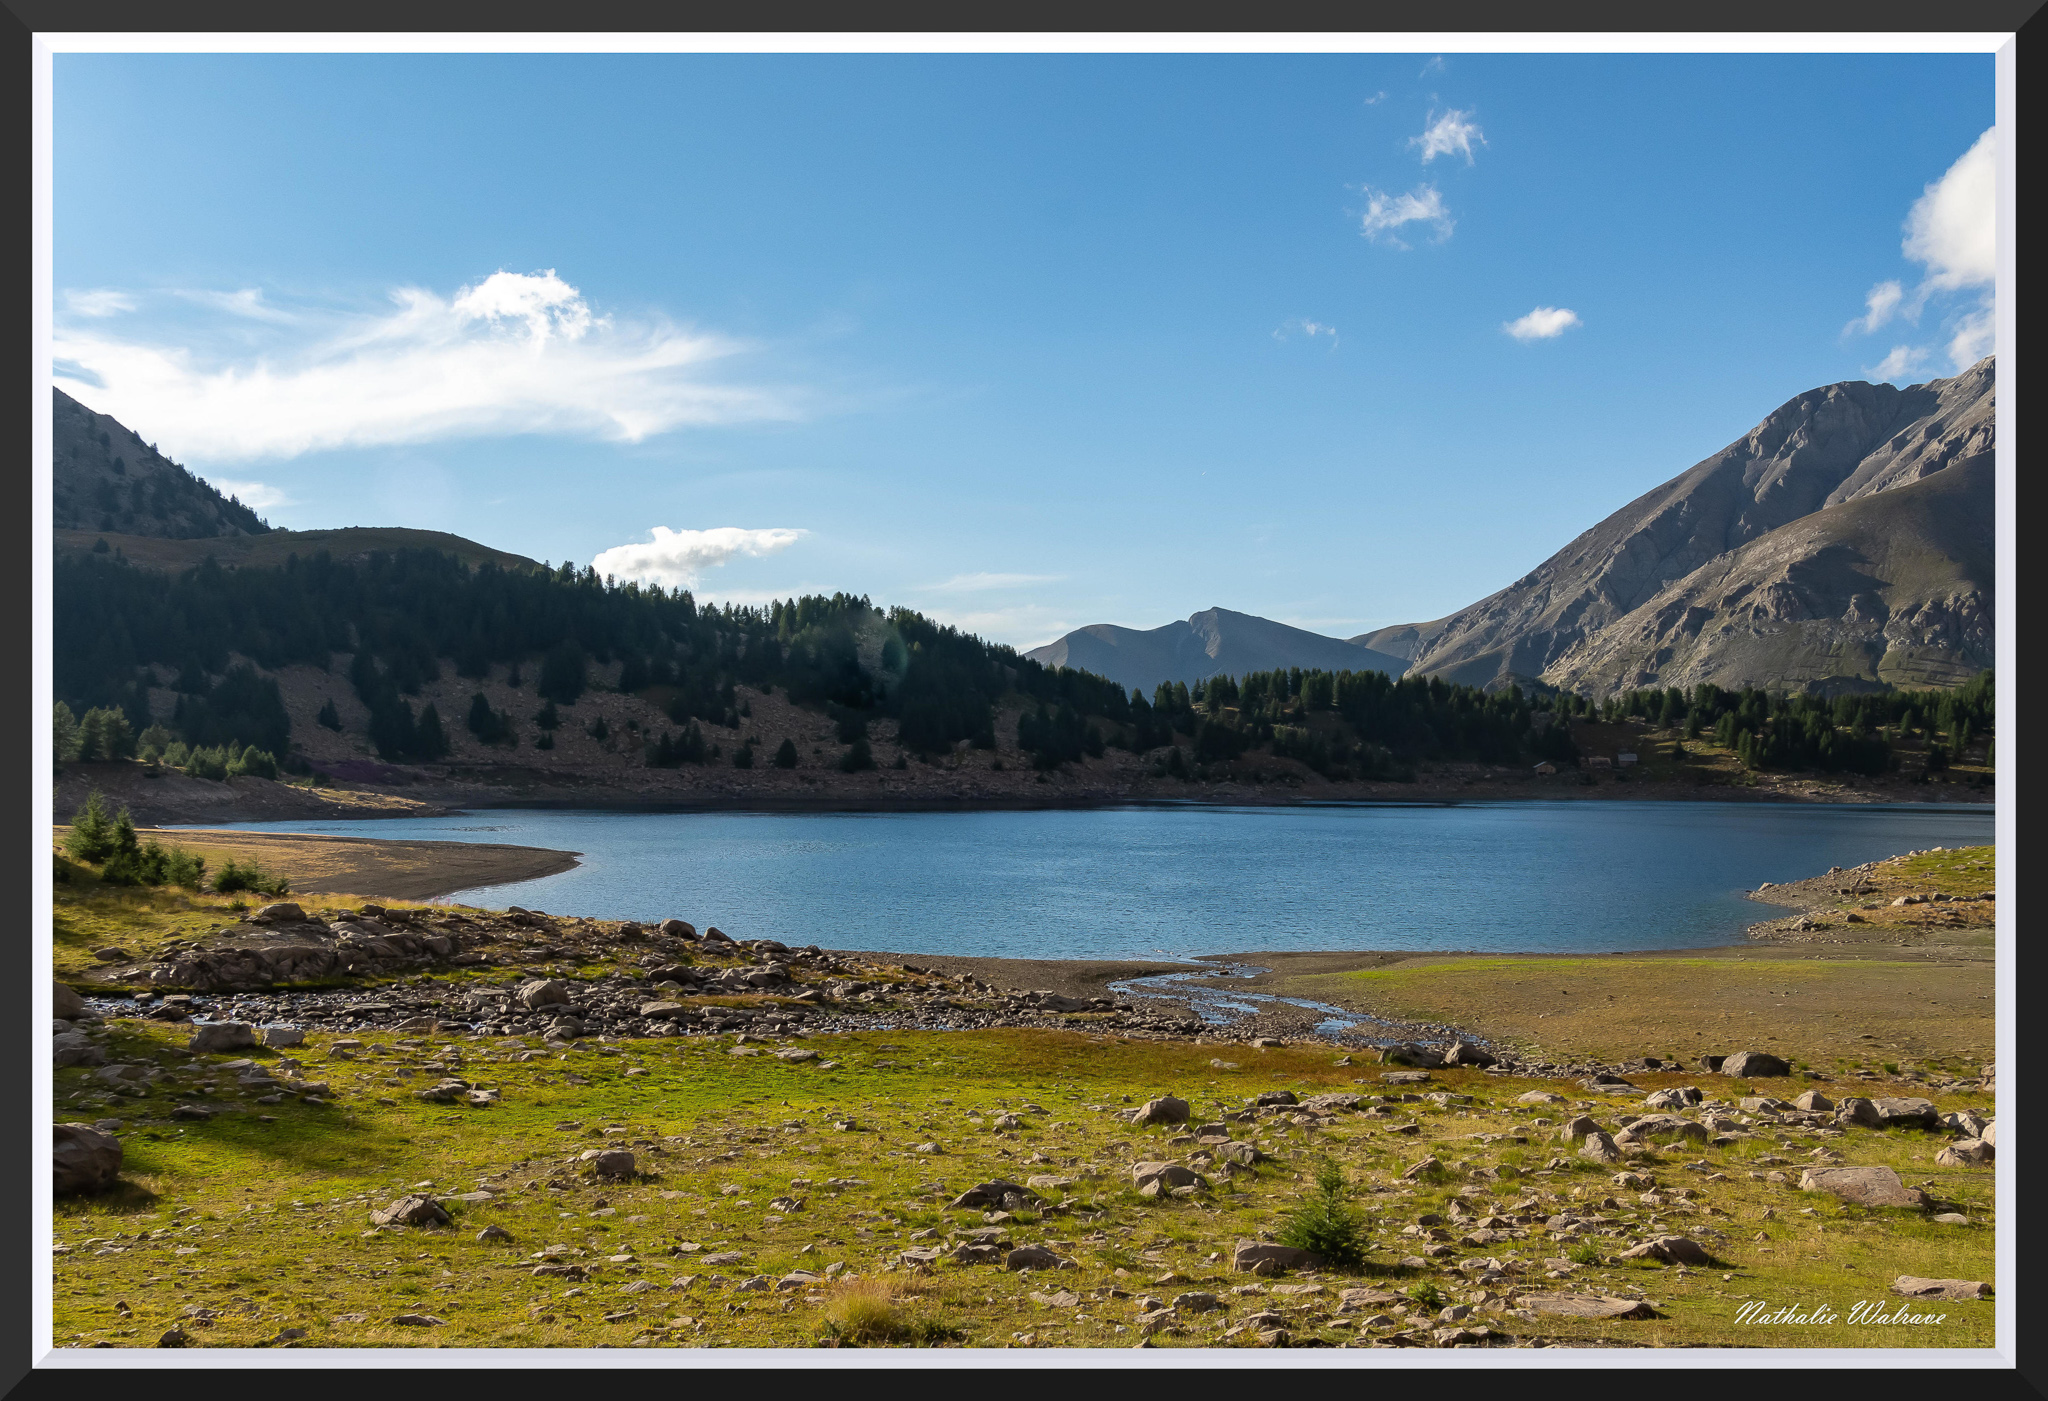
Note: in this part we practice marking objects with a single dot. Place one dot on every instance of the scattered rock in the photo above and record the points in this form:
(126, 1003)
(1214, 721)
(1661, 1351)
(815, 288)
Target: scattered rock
(1164, 1110)
(413, 1209)
(609, 1162)
(1813, 1102)
(1905, 1113)
(222, 1036)
(1866, 1186)
(66, 1003)
(1035, 1257)
(495, 1233)
(75, 1048)
(1966, 1152)
(1913, 1287)
(1251, 1255)
(1600, 1148)
(84, 1159)
(1585, 1306)
(1753, 1065)
(1672, 1250)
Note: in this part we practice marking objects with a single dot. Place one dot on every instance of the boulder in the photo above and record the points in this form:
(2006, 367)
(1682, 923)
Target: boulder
(1966, 1152)
(1600, 1148)
(1914, 1287)
(66, 1003)
(1860, 1112)
(1272, 1097)
(1672, 1250)
(1159, 1177)
(1813, 1102)
(1428, 1167)
(1674, 1099)
(284, 1036)
(1539, 1097)
(1195, 1302)
(1164, 1110)
(992, 1195)
(1034, 1257)
(1906, 1113)
(542, 992)
(84, 1159)
(222, 1036)
(609, 1162)
(75, 1048)
(1655, 1126)
(1754, 1064)
(1409, 1053)
(1577, 1128)
(1251, 1255)
(1463, 1053)
(1990, 1134)
(1592, 1306)
(1865, 1186)
(493, 1234)
(282, 912)
(677, 929)
(412, 1209)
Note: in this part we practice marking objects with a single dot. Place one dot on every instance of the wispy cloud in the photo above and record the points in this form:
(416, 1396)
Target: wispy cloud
(1452, 134)
(1023, 626)
(1952, 232)
(675, 558)
(1386, 212)
(1880, 304)
(513, 353)
(99, 301)
(257, 496)
(978, 583)
(247, 303)
(1375, 99)
(1542, 324)
(1302, 326)
(1435, 65)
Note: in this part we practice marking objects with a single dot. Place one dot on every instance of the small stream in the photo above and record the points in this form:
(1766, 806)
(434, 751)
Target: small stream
(1205, 993)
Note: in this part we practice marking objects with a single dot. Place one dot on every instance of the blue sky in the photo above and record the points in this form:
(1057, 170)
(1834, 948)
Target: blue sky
(1025, 342)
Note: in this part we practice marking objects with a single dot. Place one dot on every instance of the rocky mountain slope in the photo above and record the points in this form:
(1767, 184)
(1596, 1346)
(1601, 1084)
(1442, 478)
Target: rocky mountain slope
(1208, 643)
(107, 479)
(1844, 541)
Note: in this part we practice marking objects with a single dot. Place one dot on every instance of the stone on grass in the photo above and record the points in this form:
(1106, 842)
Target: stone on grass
(75, 1048)
(1577, 1127)
(84, 1159)
(542, 993)
(1539, 1097)
(1913, 1287)
(1753, 1064)
(66, 1003)
(1600, 1148)
(1906, 1113)
(1034, 1257)
(608, 1162)
(1672, 1250)
(495, 1233)
(412, 1209)
(1428, 1167)
(1151, 1179)
(1164, 1110)
(284, 1036)
(1860, 1112)
(1865, 1186)
(419, 1320)
(1592, 1306)
(1250, 1255)
(222, 1036)
(282, 912)
(1653, 1126)
(1463, 1053)
(1966, 1152)
(1197, 1302)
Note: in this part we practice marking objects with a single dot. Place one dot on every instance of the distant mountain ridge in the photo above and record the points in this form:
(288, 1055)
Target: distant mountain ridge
(1206, 644)
(1817, 550)
(105, 478)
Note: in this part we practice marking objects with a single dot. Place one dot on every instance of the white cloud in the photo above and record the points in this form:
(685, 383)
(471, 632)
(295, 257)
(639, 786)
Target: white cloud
(1303, 326)
(514, 353)
(1386, 212)
(1974, 338)
(247, 303)
(257, 496)
(1879, 306)
(976, 583)
(1953, 226)
(1375, 99)
(674, 558)
(1435, 65)
(1451, 134)
(1952, 232)
(1903, 362)
(1542, 324)
(101, 301)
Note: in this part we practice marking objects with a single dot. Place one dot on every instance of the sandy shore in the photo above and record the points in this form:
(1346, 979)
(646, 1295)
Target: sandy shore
(368, 866)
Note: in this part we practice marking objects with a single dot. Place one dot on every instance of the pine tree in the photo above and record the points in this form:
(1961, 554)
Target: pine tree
(64, 734)
(91, 837)
(429, 742)
(329, 716)
(785, 756)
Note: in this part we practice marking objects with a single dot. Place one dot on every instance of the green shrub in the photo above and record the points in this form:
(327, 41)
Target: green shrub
(1428, 1295)
(91, 837)
(785, 756)
(1327, 1223)
(1583, 1253)
(235, 875)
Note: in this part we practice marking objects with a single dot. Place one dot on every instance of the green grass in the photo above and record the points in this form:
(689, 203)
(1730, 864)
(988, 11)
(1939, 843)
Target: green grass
(284, 1239)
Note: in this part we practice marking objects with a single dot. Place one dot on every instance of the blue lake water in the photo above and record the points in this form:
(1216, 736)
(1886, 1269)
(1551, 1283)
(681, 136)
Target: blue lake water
(1142, 882)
